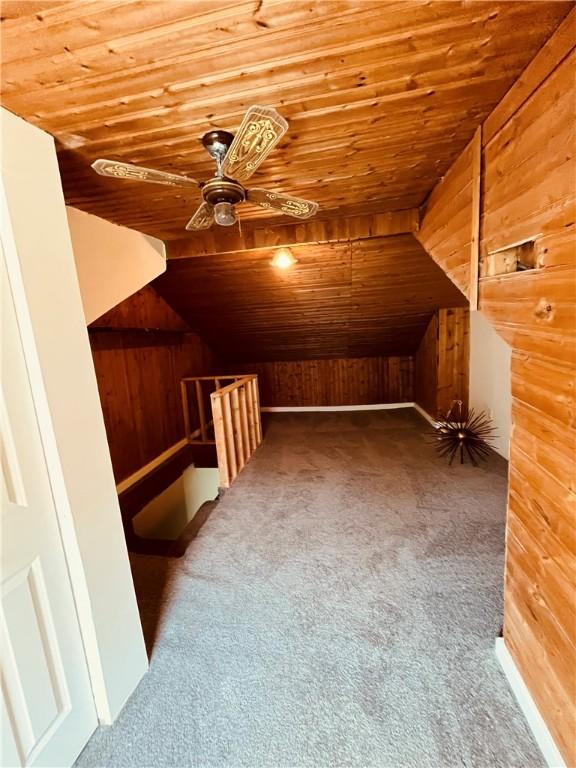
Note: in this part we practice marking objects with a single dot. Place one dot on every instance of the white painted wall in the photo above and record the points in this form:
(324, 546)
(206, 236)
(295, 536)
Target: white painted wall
(490, 387)
(112, 262)
(166, 516)
(74, 436)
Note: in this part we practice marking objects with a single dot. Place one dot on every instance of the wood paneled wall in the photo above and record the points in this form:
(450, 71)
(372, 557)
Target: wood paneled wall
(340, 229)
(426, 369)
(449, 228)
(145, 309)
(529, 192)
(141, 350)
(359, 298)
(353, 381)
(441, 363)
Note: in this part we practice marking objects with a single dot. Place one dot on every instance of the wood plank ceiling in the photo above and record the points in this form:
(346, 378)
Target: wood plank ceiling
(361, 298)
(381, 97)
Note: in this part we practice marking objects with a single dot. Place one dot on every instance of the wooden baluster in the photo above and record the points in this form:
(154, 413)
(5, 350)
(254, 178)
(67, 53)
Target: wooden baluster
(251, 416)
(217, 382)
(220, 436)
(236, 421)
(257, 409)
(185, 409)
(244, 421)
(201, 414)
(229, 435)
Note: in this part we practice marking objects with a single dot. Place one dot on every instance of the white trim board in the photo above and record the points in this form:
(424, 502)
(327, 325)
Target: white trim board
(424, 413)
(317, 408)
(371, 407)
(533, 717)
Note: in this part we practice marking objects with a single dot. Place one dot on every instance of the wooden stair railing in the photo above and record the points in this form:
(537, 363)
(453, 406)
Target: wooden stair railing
(235, 427)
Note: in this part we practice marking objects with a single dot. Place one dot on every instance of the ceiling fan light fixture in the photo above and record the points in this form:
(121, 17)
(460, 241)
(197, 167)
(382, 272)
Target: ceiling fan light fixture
(283, 259)
(224, 214)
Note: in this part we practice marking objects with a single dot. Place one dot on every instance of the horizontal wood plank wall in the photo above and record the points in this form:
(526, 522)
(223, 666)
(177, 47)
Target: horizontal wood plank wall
(144, 309)
(529, 192)
(138, 373)
(441, 362)
(446, 228)
(317, 230)
(354, 381)
(368, 297)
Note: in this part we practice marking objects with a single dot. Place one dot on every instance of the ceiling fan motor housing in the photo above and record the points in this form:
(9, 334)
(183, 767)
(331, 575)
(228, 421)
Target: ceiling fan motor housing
(219, 190)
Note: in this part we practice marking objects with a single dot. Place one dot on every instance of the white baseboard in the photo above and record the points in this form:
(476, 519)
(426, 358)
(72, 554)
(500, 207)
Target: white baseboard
(371, 407)
(533, 717)
(425, 414)
(317, 408)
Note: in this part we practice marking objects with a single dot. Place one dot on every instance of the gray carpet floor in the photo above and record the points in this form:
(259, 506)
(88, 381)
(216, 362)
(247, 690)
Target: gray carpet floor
(339, 608)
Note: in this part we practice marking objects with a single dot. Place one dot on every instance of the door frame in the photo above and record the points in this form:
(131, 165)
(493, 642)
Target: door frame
(64, 516)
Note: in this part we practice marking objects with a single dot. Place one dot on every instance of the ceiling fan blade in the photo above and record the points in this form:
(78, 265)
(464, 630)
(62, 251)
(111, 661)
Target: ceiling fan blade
(260, 131)
(203, 218)
(137, 173)
(293, 206)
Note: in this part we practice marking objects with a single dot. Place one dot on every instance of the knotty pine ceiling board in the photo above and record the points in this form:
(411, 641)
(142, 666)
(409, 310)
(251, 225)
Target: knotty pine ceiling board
(351, 299)
(380, 96)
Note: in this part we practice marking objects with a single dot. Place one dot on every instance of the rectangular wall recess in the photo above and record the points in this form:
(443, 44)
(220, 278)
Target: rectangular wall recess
(519, 257)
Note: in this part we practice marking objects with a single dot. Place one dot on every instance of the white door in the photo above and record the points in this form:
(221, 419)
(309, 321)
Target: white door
(48, 712)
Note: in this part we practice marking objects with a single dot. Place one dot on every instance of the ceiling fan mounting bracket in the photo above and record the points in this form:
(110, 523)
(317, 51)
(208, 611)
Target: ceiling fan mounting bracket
(220, 190)
(217, 143)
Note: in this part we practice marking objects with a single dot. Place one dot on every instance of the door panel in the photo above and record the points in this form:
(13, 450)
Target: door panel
(48, 712)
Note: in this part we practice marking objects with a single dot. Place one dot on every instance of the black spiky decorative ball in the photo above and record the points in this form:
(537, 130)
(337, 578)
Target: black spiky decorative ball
(464, 432)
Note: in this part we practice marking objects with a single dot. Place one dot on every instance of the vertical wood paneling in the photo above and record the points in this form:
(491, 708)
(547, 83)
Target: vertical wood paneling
(453, 357)
(426, 369)
(354, 381)
(139, 372)
(442, 361)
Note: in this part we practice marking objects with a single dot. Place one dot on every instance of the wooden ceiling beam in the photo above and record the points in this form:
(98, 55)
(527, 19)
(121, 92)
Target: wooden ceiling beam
(314, 231)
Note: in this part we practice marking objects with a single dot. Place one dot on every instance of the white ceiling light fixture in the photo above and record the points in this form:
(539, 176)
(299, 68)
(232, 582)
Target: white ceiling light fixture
(224, 214)
(283, 259)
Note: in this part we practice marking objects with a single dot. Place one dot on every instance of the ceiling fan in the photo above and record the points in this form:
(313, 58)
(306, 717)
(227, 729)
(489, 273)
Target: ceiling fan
(237, 157)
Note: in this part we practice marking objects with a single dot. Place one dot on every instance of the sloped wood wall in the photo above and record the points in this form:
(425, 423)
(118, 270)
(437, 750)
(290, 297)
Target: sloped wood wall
(141, 349)
(441, 362)
(448, 230)
(353, 381)
(529, 192)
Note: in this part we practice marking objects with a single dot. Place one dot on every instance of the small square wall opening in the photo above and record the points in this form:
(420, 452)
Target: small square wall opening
(514, 258)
